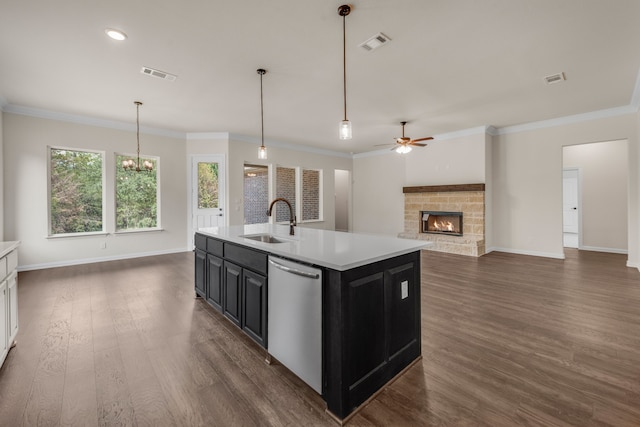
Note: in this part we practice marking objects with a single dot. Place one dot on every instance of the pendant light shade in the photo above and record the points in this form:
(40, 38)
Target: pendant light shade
(345, 124)
(262, 151)
(130, 164)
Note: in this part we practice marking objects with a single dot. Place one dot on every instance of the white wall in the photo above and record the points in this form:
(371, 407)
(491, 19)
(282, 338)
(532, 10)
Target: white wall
(448, 161)
(527, 183)
(604, 179)
(241, 152)
(1, 177)
(378, 201)
(25, 169)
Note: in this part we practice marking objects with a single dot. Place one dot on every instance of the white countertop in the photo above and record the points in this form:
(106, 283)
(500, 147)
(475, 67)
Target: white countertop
(332, 249)
(6, 247)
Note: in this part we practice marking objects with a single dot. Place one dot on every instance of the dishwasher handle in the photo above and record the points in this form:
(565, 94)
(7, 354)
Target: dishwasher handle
(294, 270)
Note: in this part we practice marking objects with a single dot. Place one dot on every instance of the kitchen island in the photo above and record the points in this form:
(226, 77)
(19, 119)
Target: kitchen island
(370, 298)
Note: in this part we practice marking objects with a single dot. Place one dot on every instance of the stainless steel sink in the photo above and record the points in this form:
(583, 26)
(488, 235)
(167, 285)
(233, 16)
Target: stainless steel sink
(265, 238)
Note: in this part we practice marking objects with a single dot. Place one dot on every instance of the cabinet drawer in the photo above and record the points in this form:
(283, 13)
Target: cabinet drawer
(252, 259)
(201, 242)
(214, 246)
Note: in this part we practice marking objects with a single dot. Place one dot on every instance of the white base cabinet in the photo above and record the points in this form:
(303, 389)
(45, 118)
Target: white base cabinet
(8, 297)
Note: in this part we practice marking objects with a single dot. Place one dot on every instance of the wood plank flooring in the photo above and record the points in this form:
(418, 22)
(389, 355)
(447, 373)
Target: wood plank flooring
(507, 340)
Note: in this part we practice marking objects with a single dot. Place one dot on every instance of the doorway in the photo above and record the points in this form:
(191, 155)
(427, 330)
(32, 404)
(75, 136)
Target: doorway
(599, 173)
(342, 194)
(207, 192)
(571, 207)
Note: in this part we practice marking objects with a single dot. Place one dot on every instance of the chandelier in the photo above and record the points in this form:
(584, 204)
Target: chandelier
(130, 164)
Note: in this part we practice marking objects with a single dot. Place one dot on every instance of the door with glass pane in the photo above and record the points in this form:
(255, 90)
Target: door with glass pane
(207, 194)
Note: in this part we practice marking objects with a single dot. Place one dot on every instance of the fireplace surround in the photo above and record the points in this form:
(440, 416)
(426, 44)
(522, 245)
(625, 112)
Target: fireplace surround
(466, 199)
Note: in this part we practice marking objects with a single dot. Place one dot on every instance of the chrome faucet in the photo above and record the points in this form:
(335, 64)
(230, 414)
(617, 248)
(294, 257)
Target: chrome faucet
(292, 217)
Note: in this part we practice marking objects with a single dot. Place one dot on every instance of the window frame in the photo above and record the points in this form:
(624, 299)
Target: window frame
(156, 170)
(103, 174)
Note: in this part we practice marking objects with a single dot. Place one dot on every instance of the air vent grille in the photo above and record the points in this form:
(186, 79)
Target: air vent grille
(159, 74)
(555, 78)
(375, 42)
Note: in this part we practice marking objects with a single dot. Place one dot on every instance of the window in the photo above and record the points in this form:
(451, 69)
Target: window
(207, 185)
(256, 194)
(76, 191)
(311, 200)
(285, 188)
(137, 196)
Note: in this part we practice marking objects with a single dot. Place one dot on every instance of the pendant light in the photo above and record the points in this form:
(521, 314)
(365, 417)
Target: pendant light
(130, 165)
(345, 125)
(262, 151)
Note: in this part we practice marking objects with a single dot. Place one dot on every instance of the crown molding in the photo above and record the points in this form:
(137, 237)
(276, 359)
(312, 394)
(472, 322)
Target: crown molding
(577, 118)
(89, 121)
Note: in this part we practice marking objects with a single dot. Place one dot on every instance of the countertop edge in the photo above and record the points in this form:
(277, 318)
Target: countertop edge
(273, 250)
(10, 246)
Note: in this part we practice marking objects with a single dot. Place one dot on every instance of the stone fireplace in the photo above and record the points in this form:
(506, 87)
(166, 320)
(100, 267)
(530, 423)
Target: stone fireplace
(450, 216)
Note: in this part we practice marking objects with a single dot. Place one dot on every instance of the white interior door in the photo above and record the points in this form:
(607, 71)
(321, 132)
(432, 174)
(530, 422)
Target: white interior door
(571, 206)
(207, 192)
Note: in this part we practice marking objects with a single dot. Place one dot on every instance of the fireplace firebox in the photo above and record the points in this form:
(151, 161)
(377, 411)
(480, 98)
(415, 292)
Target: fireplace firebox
(438, 222)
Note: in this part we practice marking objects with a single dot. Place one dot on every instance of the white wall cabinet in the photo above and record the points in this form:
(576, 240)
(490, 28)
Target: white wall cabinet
(8, 297)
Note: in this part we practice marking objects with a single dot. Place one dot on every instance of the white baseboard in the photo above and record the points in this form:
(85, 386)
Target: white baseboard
(100, 259)
(525, 252)
(633, 264)
(608, 250)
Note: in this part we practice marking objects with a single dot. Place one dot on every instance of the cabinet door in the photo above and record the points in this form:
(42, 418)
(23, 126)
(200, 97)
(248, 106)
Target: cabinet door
(4, 345)
(201, 273)
(254, 306)
(232, 292)
(12, 286)
(214, 282)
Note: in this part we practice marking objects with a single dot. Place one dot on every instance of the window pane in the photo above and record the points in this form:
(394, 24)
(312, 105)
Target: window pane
(285, 187)
(207, 185)
(256, 194)
(76, 191)
(310, 195)
(136, 196)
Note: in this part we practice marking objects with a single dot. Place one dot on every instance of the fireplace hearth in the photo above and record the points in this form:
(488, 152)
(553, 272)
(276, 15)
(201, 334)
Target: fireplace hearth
(440, 222)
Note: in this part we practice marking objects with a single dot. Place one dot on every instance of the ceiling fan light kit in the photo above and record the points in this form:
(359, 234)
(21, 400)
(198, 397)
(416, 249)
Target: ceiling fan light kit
(345, 131)
(404, 143)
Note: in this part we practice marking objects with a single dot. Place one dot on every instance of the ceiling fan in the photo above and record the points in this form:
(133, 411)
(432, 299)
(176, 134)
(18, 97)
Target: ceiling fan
(404, 143)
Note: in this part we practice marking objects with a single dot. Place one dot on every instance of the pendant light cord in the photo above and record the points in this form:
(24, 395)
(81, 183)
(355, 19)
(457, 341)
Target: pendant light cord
(344, 62)
(261, 112)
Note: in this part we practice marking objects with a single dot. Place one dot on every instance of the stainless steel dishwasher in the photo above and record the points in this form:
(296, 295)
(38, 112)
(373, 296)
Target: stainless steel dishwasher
(295, 318)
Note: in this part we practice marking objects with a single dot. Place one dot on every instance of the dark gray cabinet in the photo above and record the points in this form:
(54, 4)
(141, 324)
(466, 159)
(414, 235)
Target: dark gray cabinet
(215, 290)
(254, 303)
(233, 280)
(232, 292)
(371, 318)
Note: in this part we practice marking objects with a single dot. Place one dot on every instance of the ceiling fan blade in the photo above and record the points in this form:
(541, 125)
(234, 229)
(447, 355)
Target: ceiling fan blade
(429, 138)
(417, 144)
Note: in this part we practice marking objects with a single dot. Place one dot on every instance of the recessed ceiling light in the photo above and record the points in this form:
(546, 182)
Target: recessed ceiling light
(115, 34)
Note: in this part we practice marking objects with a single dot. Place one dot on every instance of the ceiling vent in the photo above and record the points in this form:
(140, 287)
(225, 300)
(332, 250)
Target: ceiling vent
(555, 78)
(375, 42)
(157, 73)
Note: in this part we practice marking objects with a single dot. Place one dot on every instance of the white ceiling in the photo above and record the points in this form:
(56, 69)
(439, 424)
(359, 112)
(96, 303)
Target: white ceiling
(451, 65)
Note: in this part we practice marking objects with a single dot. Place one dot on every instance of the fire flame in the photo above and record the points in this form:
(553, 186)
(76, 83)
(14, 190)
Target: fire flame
(443, 225)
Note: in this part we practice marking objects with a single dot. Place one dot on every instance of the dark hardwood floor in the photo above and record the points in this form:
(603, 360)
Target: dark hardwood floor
(507, 340)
